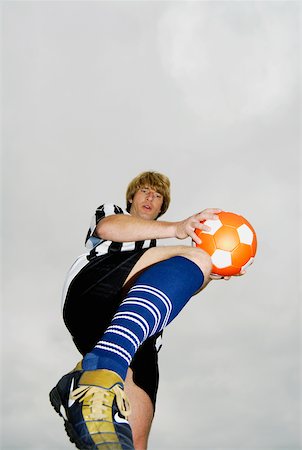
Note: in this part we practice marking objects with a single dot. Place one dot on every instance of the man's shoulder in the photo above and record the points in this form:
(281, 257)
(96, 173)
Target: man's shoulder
(110, 208)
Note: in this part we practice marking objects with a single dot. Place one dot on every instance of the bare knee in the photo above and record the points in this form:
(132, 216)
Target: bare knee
(199, 257)
(157, 254)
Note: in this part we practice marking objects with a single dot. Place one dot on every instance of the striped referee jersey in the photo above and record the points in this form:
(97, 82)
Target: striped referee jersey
(99, 246)
(96, 246)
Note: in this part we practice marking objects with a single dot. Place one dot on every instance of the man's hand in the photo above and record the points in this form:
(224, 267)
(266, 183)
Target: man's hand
(185, 228)
(214, 276)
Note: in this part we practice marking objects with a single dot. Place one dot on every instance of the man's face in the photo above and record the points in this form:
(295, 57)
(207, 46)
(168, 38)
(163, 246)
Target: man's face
(146, 203)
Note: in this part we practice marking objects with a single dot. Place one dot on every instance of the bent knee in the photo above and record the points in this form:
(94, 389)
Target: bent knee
(156, 254)
(195, 254)
(201, 258)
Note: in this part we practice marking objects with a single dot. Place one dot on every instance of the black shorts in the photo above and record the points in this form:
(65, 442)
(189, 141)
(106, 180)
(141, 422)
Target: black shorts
(92, 300)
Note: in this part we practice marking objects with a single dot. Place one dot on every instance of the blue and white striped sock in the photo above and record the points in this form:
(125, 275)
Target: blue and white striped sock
(155, 299)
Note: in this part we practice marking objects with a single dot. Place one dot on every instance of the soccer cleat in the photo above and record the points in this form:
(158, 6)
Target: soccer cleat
(95, 409)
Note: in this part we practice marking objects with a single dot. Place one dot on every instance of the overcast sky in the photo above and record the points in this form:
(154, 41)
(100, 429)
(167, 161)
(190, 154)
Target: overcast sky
(207, 93)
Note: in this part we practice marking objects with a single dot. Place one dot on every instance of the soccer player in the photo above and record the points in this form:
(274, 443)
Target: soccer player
(118, 297)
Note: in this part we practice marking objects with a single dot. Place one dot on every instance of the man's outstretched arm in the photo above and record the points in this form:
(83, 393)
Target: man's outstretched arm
(124, 228)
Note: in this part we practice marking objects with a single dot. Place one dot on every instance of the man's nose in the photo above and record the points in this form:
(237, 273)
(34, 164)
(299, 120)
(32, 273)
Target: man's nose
(150, 195)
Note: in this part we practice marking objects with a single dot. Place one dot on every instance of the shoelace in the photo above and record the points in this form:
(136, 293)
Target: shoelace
(100, 402)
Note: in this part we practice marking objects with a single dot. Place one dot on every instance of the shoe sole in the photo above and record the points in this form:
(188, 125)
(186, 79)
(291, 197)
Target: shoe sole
(55, 400)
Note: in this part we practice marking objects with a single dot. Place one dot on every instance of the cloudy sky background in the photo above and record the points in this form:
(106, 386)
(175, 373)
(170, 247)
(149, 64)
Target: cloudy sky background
(208, 93)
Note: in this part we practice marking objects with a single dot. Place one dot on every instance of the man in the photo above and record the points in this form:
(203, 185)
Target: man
(118, 297)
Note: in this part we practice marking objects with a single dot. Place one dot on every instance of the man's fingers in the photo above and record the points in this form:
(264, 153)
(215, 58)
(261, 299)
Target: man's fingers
(214, 276)
(209, 214)
(194, 237)
(201, 226)
(212, 210)
(197, 222)
(242, 272)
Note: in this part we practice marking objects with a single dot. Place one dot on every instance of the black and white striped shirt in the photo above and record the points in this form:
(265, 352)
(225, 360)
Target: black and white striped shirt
(98, 246)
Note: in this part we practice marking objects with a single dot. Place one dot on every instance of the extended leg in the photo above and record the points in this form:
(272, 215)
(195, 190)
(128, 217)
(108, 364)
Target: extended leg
(142, 412)
(155, 299)
(92, 395)
(141, 405)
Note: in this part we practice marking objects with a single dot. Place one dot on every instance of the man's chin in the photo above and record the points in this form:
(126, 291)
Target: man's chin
(147, 216)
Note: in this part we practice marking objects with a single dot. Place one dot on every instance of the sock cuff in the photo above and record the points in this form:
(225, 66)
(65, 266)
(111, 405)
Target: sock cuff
(194, 269)
(178, 271)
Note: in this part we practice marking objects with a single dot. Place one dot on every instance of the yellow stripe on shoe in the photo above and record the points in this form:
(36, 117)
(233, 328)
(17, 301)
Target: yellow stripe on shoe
(97, 391)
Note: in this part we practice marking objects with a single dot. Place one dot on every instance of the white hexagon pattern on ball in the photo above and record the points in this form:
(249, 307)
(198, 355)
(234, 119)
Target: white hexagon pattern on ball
(214, 224)
(245, 234)
(221, 259)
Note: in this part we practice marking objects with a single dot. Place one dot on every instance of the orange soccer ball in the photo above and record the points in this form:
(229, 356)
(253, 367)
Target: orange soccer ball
(231, 243)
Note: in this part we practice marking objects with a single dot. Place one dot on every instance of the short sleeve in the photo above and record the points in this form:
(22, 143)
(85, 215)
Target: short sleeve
(105, 210)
